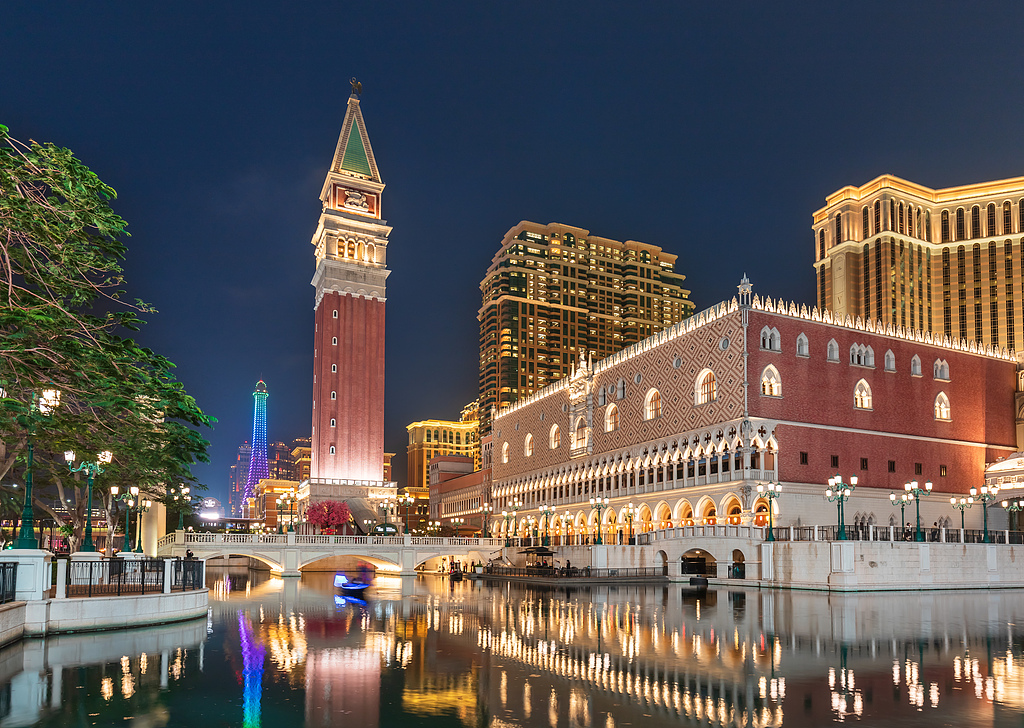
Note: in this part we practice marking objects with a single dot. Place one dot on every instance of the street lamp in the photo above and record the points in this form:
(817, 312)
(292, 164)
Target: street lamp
(368, 524)
(770, 492)
(40, 407)
(485, 515)
(510, 516)
(92, 469)
(598, 504)
(903, 499)
(566, 519)
(129, 497)
(143, 507)
(988, 493)
(839, 492)
(182, 494)
(457, 524)
(961, 505)
(287, 502)
(407, 500)
(547, 512)
(913, 491)
(631, 513)
(1012, 507)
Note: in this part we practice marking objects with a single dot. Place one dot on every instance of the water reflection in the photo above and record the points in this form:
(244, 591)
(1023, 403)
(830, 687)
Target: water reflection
(488, 654)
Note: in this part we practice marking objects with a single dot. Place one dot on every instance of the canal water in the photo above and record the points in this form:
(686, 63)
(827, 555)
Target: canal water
(429, 652)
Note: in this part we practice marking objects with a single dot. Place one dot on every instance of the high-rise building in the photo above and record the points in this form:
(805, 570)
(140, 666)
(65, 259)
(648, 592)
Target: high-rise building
(258, 456)
(237, 478)
(350, 244)
(946, 261)
(279, 461)
(555, 292)
(430, 438)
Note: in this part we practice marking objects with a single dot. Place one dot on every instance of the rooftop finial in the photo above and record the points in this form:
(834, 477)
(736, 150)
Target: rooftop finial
(357, 88)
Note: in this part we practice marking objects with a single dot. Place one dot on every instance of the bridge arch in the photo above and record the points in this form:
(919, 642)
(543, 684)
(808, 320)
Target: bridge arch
(273, 563)
(377, 561)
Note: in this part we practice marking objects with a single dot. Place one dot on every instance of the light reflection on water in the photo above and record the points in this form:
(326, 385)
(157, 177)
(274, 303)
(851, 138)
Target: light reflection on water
(294, 652)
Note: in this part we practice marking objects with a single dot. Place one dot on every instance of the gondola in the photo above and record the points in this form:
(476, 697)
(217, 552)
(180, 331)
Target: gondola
(455, 575)
(349, 588)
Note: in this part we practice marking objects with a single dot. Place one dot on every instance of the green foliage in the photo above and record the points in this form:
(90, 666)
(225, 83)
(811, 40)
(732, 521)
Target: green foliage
(64, 325)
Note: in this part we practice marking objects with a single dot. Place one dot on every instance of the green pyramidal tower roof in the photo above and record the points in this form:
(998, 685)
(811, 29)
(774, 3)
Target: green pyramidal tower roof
(355, 154)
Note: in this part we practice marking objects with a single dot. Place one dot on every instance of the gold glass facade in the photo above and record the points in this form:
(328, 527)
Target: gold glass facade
(430, 438)
(555, 292)
(946, 261)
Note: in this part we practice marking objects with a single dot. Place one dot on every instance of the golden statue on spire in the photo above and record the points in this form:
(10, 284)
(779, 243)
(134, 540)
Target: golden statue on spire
(357, 88)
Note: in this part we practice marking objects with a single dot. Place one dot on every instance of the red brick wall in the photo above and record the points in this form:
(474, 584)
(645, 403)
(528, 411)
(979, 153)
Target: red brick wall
(358, 436)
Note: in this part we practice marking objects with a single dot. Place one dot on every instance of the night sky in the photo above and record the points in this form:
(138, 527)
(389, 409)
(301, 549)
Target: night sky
(713, 130)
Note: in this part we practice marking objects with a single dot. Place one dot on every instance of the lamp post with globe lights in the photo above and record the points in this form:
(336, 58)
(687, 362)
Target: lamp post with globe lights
(92, 469)
(598, 504)
(406, 499)
(142, 507)
(988, 493)
(485, 515)
(961, 505)
(915, 492)
(1012, 507)
(39, 409)
(457, 525)
(770, 492)
(547, 513)
(902, 499)
(129, 497)
(510, 515)
(181, 495)
(839, 492)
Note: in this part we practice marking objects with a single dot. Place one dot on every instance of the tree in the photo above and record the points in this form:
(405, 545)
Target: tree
(328, 514)
(64, 325)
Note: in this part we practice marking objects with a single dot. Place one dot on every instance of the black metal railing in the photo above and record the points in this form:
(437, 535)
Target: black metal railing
(115, 577)
(187, 574)
(8, 581)
(573, 572)
(929, 534)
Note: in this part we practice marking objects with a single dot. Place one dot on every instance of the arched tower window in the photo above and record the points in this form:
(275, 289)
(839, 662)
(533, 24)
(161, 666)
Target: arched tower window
(945, 226)
(652, 405)
(990, 228)
(942, 411)
(611, 419)
(839, 228)
(975, 222)
(771, 382)
(865, 223)
(960, 228)
(862, 395)
(1007, 221)
(334, 395)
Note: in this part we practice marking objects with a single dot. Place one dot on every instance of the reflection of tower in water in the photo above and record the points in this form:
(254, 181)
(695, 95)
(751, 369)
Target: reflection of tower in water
(252, 672)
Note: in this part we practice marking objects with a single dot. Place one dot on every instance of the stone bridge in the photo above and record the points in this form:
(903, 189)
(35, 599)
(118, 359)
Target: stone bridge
(289, 553)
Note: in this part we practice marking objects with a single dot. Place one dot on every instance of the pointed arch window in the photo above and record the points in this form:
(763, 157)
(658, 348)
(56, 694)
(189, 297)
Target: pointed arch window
(555, 438)
(528, 445)
(802, 346)
(890, 361)
(771, 340)
(504, 453)
(862, 395)
(771, 382)
(707, 388)
(611, 419)
(942, 410)
(833, 351)
(940, 369)
(652, 405)
(915, 366)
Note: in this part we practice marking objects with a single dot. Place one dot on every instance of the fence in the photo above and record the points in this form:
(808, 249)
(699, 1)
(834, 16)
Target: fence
(187, 574)
(115, 577)
(8, 581)
(574, 573)
(895, 533)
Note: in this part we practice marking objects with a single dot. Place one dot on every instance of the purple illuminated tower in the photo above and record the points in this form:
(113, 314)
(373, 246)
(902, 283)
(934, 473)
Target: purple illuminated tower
(258, 460)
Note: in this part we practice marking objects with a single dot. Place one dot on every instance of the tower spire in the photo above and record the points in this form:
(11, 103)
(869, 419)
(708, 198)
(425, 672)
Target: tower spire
(258, 469)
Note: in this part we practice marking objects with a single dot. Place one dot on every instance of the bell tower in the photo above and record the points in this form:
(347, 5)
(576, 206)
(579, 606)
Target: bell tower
(351, 244)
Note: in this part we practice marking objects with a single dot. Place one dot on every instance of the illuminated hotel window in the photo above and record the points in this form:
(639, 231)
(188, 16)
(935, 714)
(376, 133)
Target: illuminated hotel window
(975, 222)
(945, 226)
(1007, 226)
(707, 388)
(611, 419)
(960, 234)
(862, 395)
(991, 220)
(942, 411)
(771, 382)
(652, 405)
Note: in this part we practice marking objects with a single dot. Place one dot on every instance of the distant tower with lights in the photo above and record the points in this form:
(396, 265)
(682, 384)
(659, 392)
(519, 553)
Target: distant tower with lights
(350, 245)
(258, 459)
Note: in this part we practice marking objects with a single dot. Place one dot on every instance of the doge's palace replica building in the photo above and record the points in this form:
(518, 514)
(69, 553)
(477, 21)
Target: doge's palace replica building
(685, 424)
(350, 242)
